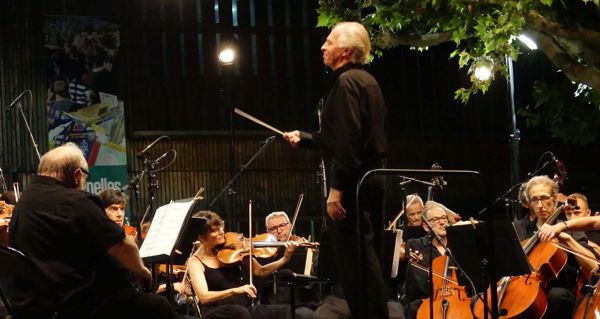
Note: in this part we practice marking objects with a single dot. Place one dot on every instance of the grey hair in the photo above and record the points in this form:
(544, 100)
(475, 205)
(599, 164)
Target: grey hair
(413, 198)
(431, 205)
(61, 161)
(544, 180)
(276, 214)
(354, 35)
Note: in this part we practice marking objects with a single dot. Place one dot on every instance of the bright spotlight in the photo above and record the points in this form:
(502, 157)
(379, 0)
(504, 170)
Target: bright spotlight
(527, 41)
(482, 69)
(227, 56)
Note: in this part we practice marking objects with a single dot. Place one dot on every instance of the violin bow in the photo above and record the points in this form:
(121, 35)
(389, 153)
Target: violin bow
(298, 205)
(250, 237)
(392, 225)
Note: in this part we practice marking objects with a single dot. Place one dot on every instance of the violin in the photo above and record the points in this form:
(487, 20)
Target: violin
(6, 211)
(302, 242)
(236, 247)
(449, 299)
(177, 271)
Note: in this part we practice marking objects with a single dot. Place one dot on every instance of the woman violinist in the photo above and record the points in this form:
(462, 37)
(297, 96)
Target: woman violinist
(219, 287)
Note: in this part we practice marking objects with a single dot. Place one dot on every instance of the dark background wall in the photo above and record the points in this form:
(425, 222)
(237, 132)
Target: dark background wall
(171, 84)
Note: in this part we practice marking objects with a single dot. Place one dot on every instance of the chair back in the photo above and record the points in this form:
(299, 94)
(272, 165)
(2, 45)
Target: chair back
(22, 281)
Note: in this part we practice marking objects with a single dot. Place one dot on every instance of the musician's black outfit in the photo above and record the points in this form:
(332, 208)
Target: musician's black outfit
(66, 233)
(561, 292)
(417, 280)
(237, 306)
(353, 141)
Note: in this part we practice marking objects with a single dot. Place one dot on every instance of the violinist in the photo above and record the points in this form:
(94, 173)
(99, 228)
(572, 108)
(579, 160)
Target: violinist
(6, 209)
(64, 231)
(114, 202)
(306, 297)
(578, 207)
(278, 224)
(541, 195)
(414, 210)
(219, 287)
(416, 278)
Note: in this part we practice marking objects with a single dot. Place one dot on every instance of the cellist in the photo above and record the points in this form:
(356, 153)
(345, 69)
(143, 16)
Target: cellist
(417, 279)
(540, 194)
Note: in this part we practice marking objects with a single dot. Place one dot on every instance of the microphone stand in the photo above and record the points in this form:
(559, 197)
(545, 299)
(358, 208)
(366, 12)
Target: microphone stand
(228, 187)
(322, 175)
(19, 106)
(506, 194)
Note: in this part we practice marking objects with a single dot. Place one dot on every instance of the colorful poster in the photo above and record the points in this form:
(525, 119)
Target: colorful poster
(83, 104)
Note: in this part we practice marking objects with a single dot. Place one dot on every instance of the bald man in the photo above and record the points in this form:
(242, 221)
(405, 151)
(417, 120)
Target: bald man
(66, 233)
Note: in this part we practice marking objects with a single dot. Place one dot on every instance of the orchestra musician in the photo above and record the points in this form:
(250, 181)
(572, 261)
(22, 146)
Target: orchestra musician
(417, 287)
(541, 194)
(578, 207)
(414, 210)
(65, 232)
(114, 202)
(306, 297)
(353, 141)
(219, 287)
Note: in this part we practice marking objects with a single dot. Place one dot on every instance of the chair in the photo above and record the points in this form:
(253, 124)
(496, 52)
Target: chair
(18, 271)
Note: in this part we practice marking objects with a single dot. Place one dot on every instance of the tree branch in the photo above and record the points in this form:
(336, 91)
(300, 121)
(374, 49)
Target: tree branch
(386, 40)
(540, 23)
(574, 70)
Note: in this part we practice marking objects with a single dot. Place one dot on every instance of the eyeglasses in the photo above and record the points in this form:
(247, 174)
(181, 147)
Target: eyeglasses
(437, 219)
(84, 171)
(275, 228)
(544, 199)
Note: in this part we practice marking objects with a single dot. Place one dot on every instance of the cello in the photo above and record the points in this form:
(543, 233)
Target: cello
(449, 299)
(524, 296)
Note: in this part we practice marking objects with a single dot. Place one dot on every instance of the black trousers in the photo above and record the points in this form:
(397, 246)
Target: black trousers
(362, 280)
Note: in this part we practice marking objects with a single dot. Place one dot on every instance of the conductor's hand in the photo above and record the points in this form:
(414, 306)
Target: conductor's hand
(249, 290)
(547, 232)
(334, 205)
(292, 137)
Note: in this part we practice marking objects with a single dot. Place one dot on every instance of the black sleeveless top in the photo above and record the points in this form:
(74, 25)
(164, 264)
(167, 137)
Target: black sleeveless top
(224, 278)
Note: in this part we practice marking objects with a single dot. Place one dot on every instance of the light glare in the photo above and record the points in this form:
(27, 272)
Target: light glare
(226, 56)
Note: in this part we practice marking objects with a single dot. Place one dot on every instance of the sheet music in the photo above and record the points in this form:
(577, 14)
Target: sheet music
(164, 230)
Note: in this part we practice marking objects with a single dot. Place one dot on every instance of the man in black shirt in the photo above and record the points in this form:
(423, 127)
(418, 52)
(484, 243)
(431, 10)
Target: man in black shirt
(541, 193)
(65, 232)
(353, 141)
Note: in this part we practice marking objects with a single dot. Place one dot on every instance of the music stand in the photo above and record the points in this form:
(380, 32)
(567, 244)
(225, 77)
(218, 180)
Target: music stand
(188, 236)
(470, 247)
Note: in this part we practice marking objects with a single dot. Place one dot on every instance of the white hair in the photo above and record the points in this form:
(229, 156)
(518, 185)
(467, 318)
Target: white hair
(276, 214)
(354, 35)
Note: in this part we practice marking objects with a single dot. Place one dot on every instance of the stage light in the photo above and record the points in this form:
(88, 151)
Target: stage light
(527, 41)
(227, 56)
(482, 69)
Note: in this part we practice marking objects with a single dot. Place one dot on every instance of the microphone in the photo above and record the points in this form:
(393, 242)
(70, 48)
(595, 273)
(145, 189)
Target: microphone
(165, 154)
(560, 174)
(134, 182)
(145, 151)
(288, 275)
(268, 140)
(17, 99)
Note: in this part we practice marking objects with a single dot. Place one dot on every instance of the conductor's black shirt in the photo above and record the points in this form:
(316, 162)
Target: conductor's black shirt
(353, 133)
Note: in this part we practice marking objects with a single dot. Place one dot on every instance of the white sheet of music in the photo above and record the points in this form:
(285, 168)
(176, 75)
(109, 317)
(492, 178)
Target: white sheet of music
(164, 230)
